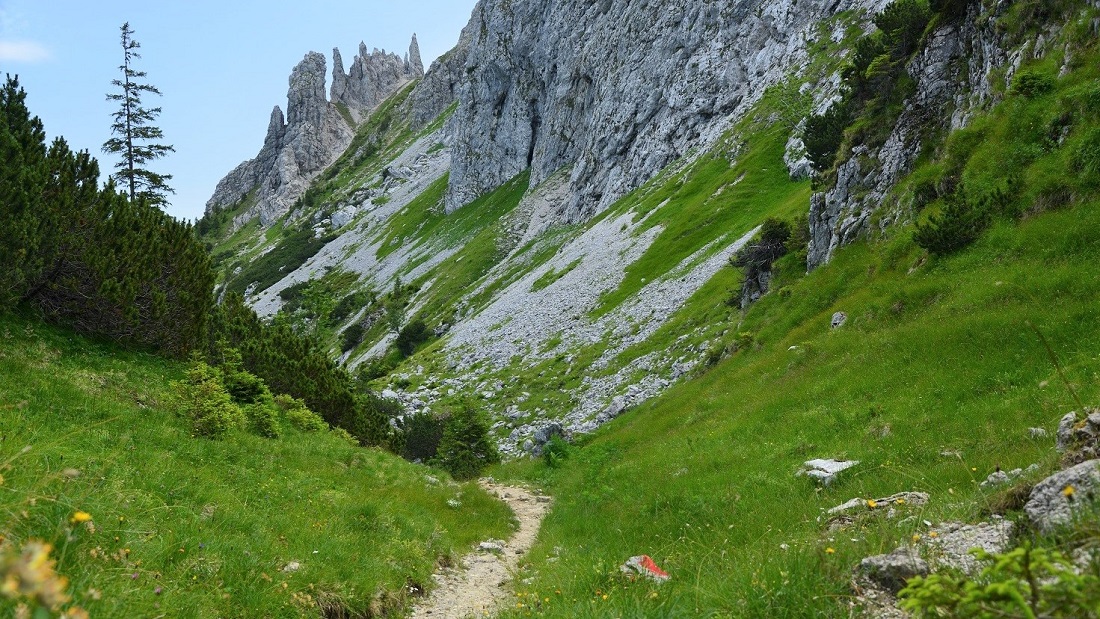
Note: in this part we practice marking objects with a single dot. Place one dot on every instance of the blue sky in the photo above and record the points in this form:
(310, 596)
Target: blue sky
(221, 65)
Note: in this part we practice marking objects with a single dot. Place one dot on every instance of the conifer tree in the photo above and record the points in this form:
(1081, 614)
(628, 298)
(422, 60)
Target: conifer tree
(136, 137)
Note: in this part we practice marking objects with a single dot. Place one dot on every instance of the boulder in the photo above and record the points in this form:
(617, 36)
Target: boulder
(1054, 501)
(825, 471)
(838, 320)
(890, 571)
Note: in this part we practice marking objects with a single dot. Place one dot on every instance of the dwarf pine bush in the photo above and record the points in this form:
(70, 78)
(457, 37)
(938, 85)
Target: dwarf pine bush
(299, 415)
(207, 402)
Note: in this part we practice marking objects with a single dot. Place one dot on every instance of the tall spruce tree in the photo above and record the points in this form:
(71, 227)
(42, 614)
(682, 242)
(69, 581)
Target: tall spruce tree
(135, 136)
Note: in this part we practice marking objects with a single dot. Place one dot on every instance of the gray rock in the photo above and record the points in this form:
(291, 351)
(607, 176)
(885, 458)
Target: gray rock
(825, 471)
(1066, 431)
(911, 499)
(440, 86)
(495, 546)
(951, 545)
(315, 132)
(952, 75)
(890, 571)
(1037, 432)
(620, 98)
(344, 216)
(1054, 500)
(1080, 435)
(373, 77)
(838, 320)
(998, 478)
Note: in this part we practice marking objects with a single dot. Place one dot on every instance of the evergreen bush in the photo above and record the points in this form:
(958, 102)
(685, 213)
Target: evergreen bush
(263, 419)
(207, 403)
(466, 447)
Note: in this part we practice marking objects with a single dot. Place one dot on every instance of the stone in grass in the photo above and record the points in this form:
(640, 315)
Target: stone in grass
(825, 471)
(494, 546)
(838, 320)
(1054, 501)
(912, 499)
(644, 566)
(890, 571)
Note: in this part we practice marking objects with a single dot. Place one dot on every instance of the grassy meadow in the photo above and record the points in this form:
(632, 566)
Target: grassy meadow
(146, 520)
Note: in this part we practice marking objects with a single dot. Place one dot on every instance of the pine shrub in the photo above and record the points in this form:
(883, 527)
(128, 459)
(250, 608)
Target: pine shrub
(208, 404)
(466, 447)
(299, 416)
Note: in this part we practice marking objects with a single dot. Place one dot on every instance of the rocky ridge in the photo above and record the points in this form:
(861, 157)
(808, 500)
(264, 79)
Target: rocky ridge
(953, 76)
(621, 98)
(314, 132)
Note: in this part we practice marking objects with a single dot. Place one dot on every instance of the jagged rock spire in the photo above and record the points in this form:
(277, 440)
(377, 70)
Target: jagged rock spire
(339, 78)
(414, 66)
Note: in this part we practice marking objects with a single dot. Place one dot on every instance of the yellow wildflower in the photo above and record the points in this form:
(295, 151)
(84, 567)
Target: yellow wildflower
(871, 503)
(80, 517)
(916, 537)
(933, 534)
(1068, 491)
(829, 550)
(31, 575)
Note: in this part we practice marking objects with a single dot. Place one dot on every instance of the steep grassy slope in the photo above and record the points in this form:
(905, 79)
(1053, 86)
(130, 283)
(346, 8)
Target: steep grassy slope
(931, 384)
(188, 527)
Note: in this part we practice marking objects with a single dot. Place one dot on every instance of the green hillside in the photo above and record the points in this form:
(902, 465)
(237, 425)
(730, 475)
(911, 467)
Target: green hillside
(304, 525)
(932, 384)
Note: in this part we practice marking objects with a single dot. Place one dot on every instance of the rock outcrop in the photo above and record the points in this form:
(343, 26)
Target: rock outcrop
(952, 75)
(315, 131)
(616, 89)
(440, 86)
(373, 77)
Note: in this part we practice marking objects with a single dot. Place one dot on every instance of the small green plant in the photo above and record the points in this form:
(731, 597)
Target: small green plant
(298, 414)
(960, 223)
(466, 447)
(419, 436)
(353, 336)
(206, 401)
(263, 419)
(1025, 582)
(1031, 84)
(555, 452)
(411, 336)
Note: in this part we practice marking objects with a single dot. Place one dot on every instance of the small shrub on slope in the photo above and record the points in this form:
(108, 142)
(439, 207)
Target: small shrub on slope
(466, 448)
(419, 436)
(299, 415)
(1025, 582)
(208, 404)
(263, 419)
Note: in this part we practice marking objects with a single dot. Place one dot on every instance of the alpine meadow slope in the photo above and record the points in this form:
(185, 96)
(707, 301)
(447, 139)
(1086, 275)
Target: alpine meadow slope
(543, 228)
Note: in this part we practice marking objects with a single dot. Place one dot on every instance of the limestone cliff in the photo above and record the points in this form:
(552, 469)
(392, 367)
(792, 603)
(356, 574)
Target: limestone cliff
(615, 90)
(952, 76)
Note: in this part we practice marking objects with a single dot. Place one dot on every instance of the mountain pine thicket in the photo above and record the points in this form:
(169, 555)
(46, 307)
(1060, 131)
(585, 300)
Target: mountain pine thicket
(87, 256)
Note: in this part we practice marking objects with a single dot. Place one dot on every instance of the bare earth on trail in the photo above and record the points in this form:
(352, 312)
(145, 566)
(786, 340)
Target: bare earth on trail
(476, 588)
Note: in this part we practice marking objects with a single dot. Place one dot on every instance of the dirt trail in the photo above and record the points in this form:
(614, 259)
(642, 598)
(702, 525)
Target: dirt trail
(481, 582)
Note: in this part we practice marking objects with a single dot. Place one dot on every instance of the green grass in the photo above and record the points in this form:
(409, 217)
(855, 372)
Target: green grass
(714, 198)
(478, 226)
(703, 478)
(189, 527)
(292, 252)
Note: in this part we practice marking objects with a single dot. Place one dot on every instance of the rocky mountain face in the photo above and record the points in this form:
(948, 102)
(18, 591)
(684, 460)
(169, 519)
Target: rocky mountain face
(594, 99)
(373, 77)
(953, 79)
(620, 98)
(315, 130)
